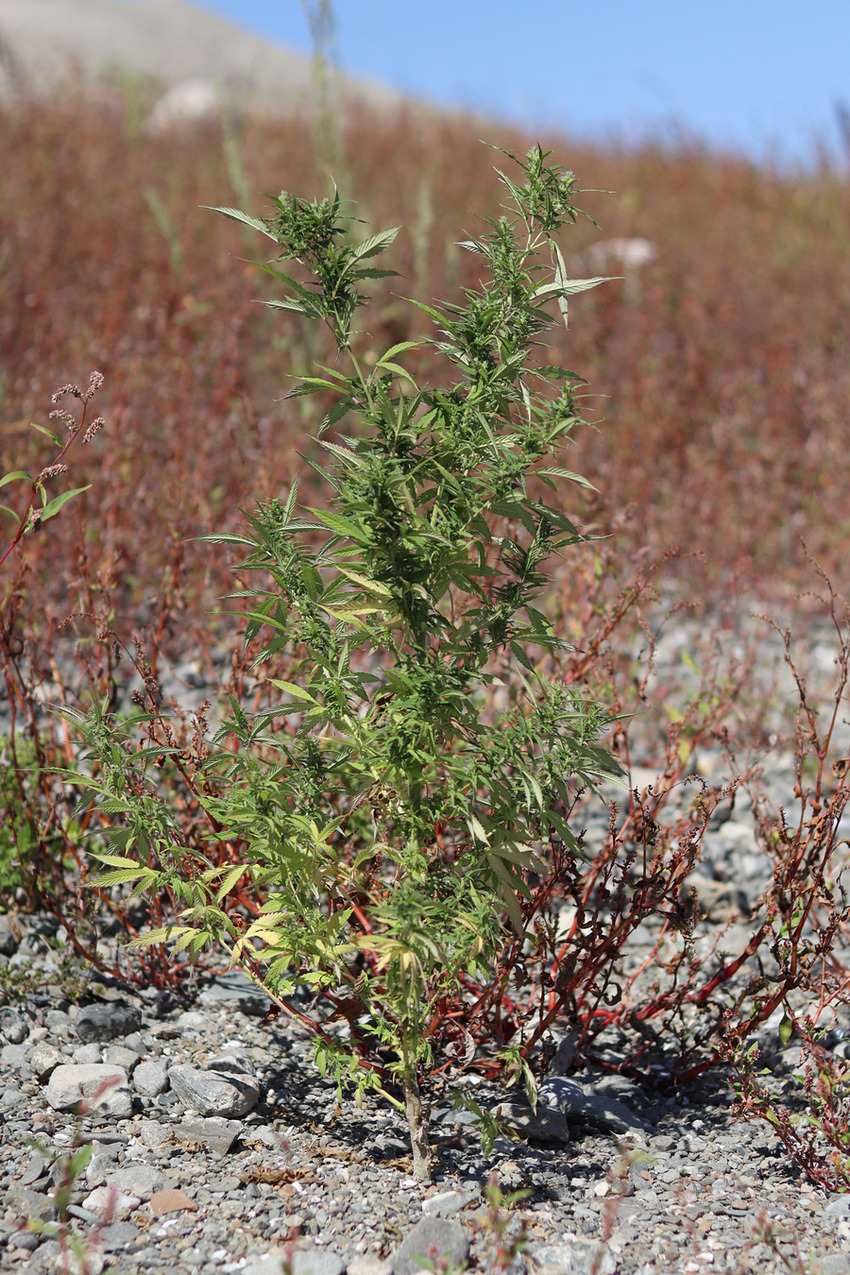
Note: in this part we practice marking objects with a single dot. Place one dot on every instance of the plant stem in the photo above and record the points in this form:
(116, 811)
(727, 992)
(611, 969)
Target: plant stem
(417, 1115)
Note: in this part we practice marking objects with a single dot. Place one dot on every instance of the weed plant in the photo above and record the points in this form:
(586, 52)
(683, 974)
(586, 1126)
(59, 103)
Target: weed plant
(679, 364)
(390, 818)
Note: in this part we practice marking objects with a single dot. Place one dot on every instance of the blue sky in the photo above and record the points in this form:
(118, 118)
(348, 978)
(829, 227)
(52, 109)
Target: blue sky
(761, 76)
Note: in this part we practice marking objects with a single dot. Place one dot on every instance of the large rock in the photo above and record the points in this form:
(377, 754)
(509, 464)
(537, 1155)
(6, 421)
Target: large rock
(101, 1086)
(105, 1022)
(432, 1238)
(214, 1093)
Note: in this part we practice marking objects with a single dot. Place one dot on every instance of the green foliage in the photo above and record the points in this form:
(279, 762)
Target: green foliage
(390, 802)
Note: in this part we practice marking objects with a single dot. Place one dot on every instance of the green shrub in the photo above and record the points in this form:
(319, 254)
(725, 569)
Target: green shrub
(389, 805)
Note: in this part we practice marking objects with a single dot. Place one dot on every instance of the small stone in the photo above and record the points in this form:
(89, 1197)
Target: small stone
(87, 1054)
(368, 1264)
(105, 1022)
(838, 1210)
(98, 1169)
(110, 1204)
(138, 1179)
(9, 940)
(43, 1061)
(27, 1240)
(117, 1236)
(121, 1056)
(153, 1133)
(172, 1200)
(36, 1168)
(213, 1093)
(151, 1078)
(445, 1203)
(13, 1026)
(13, 1056)
(431, 1238)
(71, 1084)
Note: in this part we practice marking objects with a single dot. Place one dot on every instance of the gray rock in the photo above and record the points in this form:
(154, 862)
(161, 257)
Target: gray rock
(236, 989)
(432, 1238)
(447, 1203)
(570, 1259)
(8, 936)
(838, 1210)
(88, 1054)
(27, 1240)
(151, 1078)
(316, 1261)
(233, 1061)
(14, 1056)
(43, 1061)
(36, 1169)
(98, 1169)
(118, 1236)
(596, 1110)
(105, 1022)
(13, 1026)
(153, 1133)
(121, 1056)
(215, 1133)
(213, 1093)
(73, 1083)
(546, 1124)
(29, 1205)
(138, 1179)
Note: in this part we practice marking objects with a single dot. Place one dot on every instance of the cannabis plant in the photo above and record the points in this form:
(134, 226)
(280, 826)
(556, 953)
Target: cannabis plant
(387, 805)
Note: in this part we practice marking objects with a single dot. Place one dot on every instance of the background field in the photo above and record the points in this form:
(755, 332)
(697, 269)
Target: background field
(718, 372)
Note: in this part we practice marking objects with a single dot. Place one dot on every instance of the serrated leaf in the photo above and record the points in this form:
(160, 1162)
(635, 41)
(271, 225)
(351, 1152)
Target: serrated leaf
(291, 689)
(235, 214)
(375, 244)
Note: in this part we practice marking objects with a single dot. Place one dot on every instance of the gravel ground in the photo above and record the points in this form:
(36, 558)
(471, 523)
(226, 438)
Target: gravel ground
(642, 1185)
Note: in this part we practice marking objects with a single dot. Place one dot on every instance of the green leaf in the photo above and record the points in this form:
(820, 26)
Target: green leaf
(10, 478)
(786, 1028)
(292, 689)
(377, 243)
(53, 507)
(42, 429)
(235, 215)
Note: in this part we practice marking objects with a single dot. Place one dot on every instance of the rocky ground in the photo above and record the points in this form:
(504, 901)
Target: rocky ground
(216, 1145)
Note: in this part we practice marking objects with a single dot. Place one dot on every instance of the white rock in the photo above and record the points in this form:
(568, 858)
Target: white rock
(111, 1205)
(189, 102)
(102, 1086)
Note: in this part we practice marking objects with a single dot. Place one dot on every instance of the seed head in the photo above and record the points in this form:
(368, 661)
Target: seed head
(93, 428)
(52, 471)
(95, 382)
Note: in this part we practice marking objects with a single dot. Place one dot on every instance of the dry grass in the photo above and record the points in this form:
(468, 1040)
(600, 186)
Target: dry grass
(720, 368)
